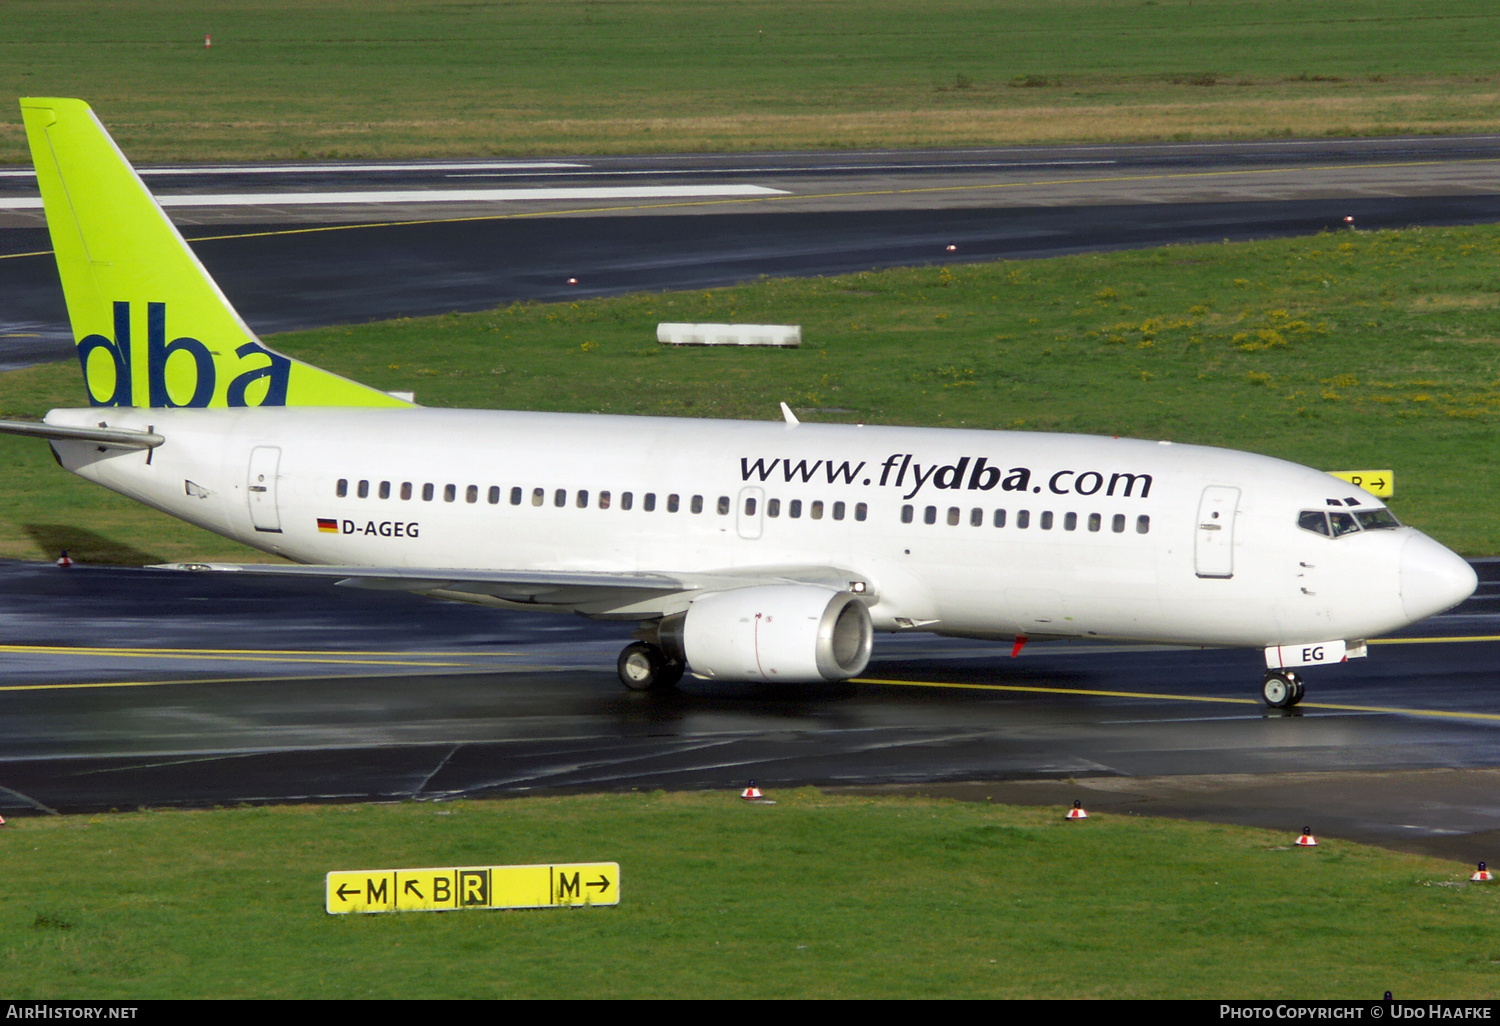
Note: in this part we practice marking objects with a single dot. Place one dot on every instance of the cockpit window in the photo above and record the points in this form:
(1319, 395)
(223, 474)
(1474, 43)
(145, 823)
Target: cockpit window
(1377, 519)
(1337, 523)
(1314, 520)
(1343, 523)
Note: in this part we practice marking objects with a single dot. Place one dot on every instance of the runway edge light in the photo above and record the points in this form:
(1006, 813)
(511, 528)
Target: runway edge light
(1078, 811)
(1482, 875)
(1307, 840)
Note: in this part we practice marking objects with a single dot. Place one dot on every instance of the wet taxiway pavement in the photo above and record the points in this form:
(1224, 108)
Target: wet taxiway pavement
(121, 688)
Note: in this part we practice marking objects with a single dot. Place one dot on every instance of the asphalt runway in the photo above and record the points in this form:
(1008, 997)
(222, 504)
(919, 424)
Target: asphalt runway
(308, 264)
(117, 690)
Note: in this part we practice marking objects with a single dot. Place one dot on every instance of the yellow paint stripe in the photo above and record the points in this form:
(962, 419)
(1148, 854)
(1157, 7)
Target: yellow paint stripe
(191, 681)
(1434, 641)
(1321, 706)
(263, 655)
(1033, 689)
(71, 686)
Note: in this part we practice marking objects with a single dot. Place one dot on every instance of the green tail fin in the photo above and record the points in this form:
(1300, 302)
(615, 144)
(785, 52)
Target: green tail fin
(152, 327)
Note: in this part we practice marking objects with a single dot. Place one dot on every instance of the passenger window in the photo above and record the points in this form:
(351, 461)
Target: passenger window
(723, 506)
(750, 506)
(538, 496)
(494, 495)
(815, 509)
(582, 502)
(929, 515)
(406, 490)
(1070, 521)
(773, 507)
(672, 503)
(1047, 520)
(1117, 525)
(385, 489)
(342, 488)
(471, 493)
(976, 517)
(1142, 524)
(1343, 523)
(560, 497)
(450, 492)
(515, 496)
(626, 500)
(364, 489)
(428, 491)
(696, 506)
(1095, 521)
(861, 511)
(648, 502)
(999, 518)
(1314, 520)
(838, 511)
(604, 500)
(906, 512)
(952, 516)
(1023, 519)
(794, 508)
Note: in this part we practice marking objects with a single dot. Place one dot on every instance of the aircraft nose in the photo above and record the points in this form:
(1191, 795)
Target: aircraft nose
(1432, 578)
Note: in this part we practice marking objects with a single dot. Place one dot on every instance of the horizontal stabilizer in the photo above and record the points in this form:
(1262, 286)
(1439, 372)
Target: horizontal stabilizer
(113, 438)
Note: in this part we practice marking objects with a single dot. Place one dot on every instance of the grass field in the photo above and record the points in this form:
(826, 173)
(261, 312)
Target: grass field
(816, 896)
(347, 78)
(1343, 351)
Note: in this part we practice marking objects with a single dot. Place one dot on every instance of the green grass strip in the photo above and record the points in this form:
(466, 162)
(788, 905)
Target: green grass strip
(817, 895)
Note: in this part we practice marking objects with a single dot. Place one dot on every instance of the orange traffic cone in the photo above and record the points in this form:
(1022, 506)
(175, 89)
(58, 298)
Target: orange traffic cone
(1481, 875)
(1077, 811)
(1307, 840)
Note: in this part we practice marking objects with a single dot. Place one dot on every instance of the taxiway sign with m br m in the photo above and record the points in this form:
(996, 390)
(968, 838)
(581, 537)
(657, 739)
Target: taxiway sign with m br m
(472, 887)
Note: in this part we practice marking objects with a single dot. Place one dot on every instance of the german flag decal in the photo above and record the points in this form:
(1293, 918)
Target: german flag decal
(328, 526)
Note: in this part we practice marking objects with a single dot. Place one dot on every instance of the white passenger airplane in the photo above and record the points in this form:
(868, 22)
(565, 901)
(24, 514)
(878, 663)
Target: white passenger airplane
(744, 551)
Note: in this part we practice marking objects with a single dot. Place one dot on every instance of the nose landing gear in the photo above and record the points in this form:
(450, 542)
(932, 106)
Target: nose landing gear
(1282, 689)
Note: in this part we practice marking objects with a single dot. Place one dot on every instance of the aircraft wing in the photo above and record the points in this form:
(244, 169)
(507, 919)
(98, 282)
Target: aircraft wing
(593, 593)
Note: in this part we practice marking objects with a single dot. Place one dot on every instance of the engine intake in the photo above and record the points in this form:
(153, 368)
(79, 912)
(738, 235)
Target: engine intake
(795, 633)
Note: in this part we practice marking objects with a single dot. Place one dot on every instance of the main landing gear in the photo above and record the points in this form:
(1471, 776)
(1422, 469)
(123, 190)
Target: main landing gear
(1282, 689)
(644, 667)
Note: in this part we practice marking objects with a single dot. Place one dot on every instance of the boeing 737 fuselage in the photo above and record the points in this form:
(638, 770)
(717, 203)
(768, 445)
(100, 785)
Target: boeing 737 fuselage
(744, 551)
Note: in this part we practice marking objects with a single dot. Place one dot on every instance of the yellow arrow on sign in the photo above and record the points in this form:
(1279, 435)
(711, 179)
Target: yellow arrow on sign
(459, 887)
(1380, 483)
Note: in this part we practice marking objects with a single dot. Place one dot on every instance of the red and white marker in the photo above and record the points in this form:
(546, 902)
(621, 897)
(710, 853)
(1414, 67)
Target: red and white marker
(572, 281)
(1482, 875)
(207, 41)
(1077, 811)
(64, 560)
(752, 793)
(1307, 840)
(952, 248)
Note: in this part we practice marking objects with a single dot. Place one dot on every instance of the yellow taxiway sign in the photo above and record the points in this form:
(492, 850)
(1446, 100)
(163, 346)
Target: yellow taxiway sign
(457, 887)
(1379, 483)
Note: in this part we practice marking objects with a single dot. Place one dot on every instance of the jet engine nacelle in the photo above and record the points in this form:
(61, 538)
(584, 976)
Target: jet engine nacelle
(782, 632)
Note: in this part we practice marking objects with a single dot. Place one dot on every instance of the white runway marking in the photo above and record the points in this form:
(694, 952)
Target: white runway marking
(323, 169)
(287, 199)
